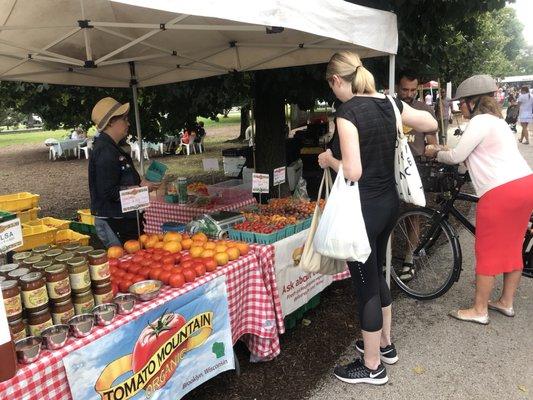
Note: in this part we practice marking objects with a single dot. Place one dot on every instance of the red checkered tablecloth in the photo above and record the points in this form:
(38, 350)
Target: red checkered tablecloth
(254, 319)
(160, 212)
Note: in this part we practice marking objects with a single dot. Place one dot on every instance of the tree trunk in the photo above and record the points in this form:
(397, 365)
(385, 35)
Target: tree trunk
(269, 114)
(245, 122)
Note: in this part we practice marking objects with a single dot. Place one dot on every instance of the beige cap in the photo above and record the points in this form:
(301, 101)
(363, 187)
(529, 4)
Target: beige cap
(476, 85)
(106, 109)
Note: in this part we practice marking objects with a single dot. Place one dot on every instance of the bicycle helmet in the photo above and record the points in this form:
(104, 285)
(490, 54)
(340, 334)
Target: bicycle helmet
(476, 85)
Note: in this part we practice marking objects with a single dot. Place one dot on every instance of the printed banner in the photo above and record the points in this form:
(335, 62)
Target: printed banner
(163, 354)
(295, 286)
(10, 235)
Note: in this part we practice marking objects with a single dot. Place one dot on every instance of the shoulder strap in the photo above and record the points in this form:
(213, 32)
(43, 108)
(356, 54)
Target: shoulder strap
(398, 117)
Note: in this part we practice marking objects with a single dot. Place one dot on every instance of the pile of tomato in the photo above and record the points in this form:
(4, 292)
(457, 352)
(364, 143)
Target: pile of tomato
(173, 269)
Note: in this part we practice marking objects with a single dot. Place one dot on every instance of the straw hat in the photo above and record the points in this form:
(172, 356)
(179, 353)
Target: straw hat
(106, 109)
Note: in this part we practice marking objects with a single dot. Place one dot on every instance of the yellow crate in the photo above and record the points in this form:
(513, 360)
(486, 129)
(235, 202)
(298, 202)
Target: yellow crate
(33, 236)
(51, 222)
(86, 217)
(19, 201)
(28, 215)
(67, 235)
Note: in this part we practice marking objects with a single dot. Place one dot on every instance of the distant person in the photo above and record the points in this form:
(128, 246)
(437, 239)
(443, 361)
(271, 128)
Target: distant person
(429, 99)
(525, 117)
(512, 113)
(200, 132)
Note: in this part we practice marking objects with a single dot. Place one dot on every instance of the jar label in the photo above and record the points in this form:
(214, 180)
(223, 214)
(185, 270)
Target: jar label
(62, 318)
(13, 305)
(83, 308)
(35, 330)
(100, 271)
(18, 335)
(103, 298)
(80, 280)
(35, 298)
(59, 289)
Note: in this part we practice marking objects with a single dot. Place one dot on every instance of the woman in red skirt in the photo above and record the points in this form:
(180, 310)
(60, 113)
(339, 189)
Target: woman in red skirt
(504, 182)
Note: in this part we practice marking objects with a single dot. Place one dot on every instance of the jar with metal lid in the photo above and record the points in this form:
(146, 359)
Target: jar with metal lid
(39, 321)
(28, 262)
(17, 329)
(57, 283)
(7, 268)
(40, 250)
(42, 265)
(70, 246)
(103, 293)
(34, 294)
(65, 257)
(19, 257)
(84, 251)
(62, 312)
(99, 266)
(12, 300)
(18, 273)
(53, 253)
(83, 302)
(80, 280)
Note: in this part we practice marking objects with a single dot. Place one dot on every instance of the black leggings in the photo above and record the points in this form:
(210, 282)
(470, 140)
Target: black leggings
(126, 228)
(370, 286)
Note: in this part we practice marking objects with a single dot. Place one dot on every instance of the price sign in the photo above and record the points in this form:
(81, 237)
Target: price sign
(260, 183)
(279, 176)
(10, 235)
(134, 199)
(210, 164)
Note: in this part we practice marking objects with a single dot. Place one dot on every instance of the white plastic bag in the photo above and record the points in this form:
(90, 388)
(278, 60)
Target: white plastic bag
(408, 182)
(312, 261)
(341, 232)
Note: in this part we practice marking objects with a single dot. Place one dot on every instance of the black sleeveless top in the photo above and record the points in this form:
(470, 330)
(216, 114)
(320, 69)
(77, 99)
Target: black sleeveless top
(376, 124)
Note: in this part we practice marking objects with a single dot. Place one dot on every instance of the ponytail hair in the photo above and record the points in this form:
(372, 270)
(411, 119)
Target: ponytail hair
(347, 65)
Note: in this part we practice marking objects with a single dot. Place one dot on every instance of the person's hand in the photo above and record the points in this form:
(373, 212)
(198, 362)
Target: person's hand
(431, 150)
(150, 185)
(324, 159)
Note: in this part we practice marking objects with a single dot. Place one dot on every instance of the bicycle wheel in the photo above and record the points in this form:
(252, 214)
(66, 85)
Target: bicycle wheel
(438, 264)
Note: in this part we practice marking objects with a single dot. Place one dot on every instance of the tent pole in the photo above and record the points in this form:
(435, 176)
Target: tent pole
(133, 84)
(392, 65)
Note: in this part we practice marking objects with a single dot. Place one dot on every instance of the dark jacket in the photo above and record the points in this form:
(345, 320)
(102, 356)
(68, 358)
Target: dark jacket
(110, 170)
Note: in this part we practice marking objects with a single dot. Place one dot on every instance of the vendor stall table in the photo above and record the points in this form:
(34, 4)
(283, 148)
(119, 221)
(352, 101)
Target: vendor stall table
(255, 319)
(160, 212)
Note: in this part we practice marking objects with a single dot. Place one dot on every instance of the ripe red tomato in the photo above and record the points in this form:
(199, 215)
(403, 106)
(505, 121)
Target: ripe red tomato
(186, 257)
(138, 278)
(154, 273)
(124, 285)
(145, 273)
(124, 265)
(210, 264)
(146, 262)
(168, 260)
(165, 276)
(176, 280)
(119, 273)
(177, 258)
(187, 264)
(189, 274)
(175, 270)
(200, 269)
(165, 253)
(113, 262)
(128, 276)
(153, 337)
(134, 269)
(168, 267)
(137, 258)
(114, 286)
(157, 257)
(149, 250)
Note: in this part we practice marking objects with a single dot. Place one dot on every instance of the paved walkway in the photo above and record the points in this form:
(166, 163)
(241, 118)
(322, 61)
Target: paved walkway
(441, 358)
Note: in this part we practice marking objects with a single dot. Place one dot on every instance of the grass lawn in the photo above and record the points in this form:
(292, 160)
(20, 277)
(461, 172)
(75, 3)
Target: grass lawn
(10, 139)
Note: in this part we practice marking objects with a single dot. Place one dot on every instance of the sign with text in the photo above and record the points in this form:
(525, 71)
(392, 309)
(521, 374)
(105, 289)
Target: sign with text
(279, 176)
(134, 199)
(10, 235)
(260, 183)
(210, 164)
(164, 353)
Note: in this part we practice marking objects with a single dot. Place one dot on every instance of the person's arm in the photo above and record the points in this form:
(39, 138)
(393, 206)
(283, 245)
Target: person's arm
(472, 136)
(351, 157)
(421, 121)
(108, 175)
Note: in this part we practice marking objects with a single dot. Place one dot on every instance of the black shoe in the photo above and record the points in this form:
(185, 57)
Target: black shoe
(387, 354)
(357, 372)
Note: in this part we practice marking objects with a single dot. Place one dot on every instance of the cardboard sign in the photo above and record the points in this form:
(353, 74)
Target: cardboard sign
(210, 164)
(134, 199)
(10, 235)
(260, 183)
(279, 176)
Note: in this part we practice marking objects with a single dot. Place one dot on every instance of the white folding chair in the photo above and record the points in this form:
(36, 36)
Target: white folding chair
(136, 153)
(86, 149)
(188, 147)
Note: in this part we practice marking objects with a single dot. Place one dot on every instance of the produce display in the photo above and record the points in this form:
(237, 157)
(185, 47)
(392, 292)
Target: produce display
(198, 188)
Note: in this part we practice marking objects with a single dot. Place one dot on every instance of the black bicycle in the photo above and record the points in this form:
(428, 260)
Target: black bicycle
(428, 236)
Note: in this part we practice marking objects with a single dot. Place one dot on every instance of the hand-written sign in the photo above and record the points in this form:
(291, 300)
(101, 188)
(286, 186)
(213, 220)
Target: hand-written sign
(134, 199)
(279, 176)
(260, 183)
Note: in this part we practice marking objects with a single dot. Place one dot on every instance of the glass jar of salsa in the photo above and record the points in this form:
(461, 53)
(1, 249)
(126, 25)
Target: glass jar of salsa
(39, 321)
(80, 280)
(83, 302)
(12, 300)
(17, 329)
(34, 294)
(99, 266)
(62, 312)
(57, 283)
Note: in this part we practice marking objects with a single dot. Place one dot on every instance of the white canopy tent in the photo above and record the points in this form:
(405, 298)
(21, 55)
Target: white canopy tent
(140, 43)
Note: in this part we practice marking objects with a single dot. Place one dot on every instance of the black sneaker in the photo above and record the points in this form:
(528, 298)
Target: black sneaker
(387, 354)
(357, 372)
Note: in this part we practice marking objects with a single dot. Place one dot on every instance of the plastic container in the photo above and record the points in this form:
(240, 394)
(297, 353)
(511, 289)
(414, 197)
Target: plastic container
(234, 234)
(50, 222)
(86, 217)
(28, 215)
(173, 227)
(269, 238)
(6, 216)
(156, 171)
(67, 235)
(33, 236)
(82, 228)
(290, 230)
(230, 191)
(247, 236)
(19, 201)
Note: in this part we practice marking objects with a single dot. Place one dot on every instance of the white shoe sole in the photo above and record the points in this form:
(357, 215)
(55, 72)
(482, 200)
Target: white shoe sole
(386, 360)
(371, 381)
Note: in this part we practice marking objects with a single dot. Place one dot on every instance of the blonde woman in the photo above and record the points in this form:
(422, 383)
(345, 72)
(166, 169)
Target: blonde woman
(364, 144)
